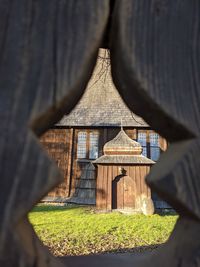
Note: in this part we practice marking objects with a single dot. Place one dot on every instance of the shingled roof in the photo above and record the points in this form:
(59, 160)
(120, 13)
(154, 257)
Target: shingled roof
(101, 104)
(123, 150)
(122, 145)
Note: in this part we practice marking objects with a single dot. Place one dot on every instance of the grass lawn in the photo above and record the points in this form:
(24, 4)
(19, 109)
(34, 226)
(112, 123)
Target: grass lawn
(78, 230)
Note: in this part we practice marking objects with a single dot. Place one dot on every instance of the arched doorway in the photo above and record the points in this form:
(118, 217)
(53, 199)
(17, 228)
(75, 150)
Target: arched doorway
(123, 192)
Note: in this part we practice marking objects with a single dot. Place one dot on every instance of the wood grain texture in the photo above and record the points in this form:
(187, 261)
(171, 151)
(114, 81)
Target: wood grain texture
(45, 65)
(61, 146)
(57, 143)
(101, 104)
(162, 86)
(155, 57)
(85, 186)
(122, 192)
(162, 72)
(47, 52)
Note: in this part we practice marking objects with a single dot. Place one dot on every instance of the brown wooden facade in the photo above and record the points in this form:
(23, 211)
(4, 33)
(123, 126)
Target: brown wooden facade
(61, 144)
(122, 192)
(78, 138)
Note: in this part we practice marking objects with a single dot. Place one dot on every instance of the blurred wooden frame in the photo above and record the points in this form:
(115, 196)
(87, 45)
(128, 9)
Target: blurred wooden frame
(48, 52)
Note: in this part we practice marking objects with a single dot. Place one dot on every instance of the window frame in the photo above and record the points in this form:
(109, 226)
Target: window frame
(148, 144)
(146, 134)
(88, 144)
(154, 146)
(77, 145)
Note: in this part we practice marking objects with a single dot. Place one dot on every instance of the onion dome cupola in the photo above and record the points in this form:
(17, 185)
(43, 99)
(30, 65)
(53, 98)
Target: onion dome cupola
(123, 150)
(122, 145)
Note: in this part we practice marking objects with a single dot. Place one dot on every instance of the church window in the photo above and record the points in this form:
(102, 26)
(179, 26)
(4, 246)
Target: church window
(81, 145)
(142, 139)
(150, 142)
(88, 145)
(94, 145)
(154, 146)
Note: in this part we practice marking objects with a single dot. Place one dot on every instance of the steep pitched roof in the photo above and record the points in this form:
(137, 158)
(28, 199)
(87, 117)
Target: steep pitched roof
(101, 104)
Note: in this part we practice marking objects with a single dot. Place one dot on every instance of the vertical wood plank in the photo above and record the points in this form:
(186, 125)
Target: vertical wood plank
(56, 143)
(105, 191)
(70, 160)
(148, 188)
(99, 187)
(101, 141)
(137, 175)
(75, 167)
(109, 188)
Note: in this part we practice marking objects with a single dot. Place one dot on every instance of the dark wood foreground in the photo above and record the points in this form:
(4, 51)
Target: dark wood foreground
(108, 260)
(45, 65)
(48, 50)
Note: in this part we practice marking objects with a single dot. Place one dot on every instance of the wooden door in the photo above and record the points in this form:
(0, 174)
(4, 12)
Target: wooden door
(123, 192)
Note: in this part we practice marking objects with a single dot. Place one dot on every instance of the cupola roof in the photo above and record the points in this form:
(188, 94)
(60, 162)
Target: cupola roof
(122, 145)
(123, 150)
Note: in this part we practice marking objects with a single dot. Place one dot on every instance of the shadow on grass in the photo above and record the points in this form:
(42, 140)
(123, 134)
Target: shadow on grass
(87, 208)
(133, 250)
(112, 258)
(49, 208)
(166, 212)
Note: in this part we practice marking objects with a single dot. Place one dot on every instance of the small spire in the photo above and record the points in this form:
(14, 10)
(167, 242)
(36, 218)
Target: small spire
(121, 126)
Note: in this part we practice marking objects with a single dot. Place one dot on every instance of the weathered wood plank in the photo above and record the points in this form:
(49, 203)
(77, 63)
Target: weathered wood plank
(56, 142)
(109, 188)
(162, 85)
(70, 161)
(159, 93)
(42, 45)
(99, 187)
(155, 65)
(104, 187)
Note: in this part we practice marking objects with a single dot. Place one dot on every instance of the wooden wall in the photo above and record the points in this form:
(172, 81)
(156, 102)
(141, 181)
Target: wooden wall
(58, 144)
(61, 145)
(106, 190)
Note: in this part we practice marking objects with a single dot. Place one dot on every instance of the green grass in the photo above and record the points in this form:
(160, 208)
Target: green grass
(78, 230)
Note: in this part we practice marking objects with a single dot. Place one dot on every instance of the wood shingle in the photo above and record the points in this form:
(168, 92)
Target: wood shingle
(101, 104)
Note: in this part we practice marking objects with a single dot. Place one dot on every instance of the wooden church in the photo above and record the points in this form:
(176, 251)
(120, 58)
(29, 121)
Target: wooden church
(121, 172)
(79, 138)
